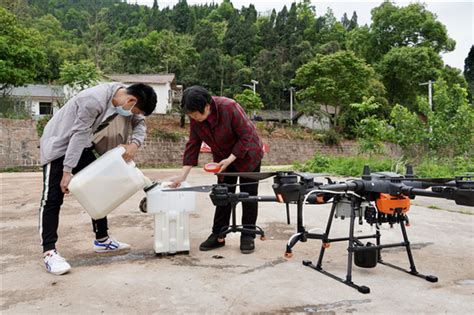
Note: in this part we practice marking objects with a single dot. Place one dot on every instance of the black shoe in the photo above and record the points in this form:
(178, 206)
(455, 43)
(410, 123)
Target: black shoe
(212, 242)
(247, 244)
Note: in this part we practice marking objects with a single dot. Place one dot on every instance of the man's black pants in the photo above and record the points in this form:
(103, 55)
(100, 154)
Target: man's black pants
(249, 209)
(52, 200)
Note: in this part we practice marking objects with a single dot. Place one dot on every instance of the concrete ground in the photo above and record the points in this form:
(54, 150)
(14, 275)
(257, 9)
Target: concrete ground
(224, 280)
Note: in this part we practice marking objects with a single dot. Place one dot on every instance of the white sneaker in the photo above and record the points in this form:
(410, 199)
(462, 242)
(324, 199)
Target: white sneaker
(55, 263)
(110, 245)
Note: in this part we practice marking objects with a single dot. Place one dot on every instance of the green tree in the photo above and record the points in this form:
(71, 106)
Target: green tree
(183, 18)
(330, 31)
(79, 75)
(96, 36)
(451, 120)
(21, 58)
(207, 35)
(306, 19)
(249, 101)
(453, 76)
(370, 129)
(57, 46)
(339, 80)
(469, 72)
(358, 40)
(404, 68)
(409, 132)
(241, 35)
(446, 130)
(412, 25)
(209, 70)
(266, 31)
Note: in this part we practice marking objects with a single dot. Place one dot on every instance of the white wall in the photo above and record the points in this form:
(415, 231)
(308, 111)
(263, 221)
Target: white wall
(164, 101)
(162, 93)
(315, 123)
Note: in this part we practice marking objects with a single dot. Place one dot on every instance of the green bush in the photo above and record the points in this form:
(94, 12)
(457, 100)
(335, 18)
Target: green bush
(346, 166)
(353, 165)
(444, 167)
(14, 109)
(331, 137)
(41, 123)
(166, 135)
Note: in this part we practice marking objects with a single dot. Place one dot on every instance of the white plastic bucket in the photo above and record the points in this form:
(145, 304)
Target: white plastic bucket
(106, 183)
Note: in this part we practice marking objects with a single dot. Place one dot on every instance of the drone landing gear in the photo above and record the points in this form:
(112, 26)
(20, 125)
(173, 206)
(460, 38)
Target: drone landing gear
(356, 247)
(302, 235)
(246, 229)
(406, 243)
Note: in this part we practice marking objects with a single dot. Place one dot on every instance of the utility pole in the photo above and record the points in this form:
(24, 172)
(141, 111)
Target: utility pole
(430, 97)
(291, 104)
(430, 93)
(253, 87)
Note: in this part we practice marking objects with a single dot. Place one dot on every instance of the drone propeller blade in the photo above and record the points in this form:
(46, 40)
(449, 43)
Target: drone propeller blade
(250, 175)
(430, 180)
(204, 189)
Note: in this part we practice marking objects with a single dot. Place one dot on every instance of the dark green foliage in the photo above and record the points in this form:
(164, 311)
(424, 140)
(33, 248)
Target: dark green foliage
(21, 58)
(404, 68)
(40, 124)
(13, 109)
(469, 72)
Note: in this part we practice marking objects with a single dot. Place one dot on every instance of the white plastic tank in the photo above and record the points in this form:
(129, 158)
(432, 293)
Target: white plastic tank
(171, 210)
(106, 183)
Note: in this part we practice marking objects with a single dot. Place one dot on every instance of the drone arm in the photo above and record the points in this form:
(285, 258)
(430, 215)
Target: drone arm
(261, 198)
(463, 197)
(353, 186)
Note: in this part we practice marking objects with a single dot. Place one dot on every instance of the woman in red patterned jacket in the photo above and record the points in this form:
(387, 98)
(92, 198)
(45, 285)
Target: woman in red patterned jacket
(236, 147)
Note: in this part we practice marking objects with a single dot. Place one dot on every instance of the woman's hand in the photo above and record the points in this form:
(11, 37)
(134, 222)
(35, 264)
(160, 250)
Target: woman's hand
(226, 162)
(176, 181)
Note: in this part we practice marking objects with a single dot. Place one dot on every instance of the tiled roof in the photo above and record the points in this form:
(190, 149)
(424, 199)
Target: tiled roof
(142, 78)
(38, 90)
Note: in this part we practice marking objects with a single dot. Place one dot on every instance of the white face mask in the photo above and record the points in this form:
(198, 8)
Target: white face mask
(123, 112)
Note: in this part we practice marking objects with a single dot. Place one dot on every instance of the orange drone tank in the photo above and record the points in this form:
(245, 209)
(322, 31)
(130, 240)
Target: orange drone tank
(388, 204)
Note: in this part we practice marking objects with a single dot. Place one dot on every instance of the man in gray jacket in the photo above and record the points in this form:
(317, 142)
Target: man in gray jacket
(66, 148)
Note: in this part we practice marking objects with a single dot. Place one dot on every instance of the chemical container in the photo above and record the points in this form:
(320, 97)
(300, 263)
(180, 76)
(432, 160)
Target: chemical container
(106, 183)
(171, 210)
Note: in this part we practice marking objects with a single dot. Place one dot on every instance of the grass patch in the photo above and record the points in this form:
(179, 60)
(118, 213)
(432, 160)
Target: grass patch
(346, 166)
(21, 169)
(353, 165)
(166, 135)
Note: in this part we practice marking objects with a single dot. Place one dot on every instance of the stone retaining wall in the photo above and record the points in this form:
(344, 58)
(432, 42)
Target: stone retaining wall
(19, 148)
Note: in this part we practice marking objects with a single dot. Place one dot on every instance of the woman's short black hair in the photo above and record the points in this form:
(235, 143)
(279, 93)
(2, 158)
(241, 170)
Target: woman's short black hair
(146, 97)
(195, 99)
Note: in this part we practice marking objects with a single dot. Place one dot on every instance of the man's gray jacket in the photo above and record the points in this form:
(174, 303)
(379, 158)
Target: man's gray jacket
(71, 129)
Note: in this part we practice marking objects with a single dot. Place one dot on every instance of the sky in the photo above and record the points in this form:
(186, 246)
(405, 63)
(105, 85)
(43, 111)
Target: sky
(457, 16)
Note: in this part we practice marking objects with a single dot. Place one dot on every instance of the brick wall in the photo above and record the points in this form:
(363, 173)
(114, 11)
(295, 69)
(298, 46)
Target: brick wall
(19, 148)
(18, 143)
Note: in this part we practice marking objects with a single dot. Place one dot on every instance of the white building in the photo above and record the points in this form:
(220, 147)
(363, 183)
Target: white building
(319, 122)
(164, 85)
(39, 99)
